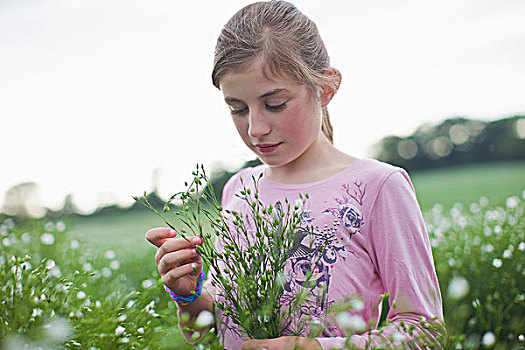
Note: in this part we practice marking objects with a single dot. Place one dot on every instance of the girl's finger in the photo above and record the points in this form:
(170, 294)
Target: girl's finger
(176, 273)
(178, 258)
(171, 245)
(157, 236)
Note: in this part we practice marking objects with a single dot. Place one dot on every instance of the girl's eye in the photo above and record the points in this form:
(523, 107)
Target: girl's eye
(276, 108)
(238, 111)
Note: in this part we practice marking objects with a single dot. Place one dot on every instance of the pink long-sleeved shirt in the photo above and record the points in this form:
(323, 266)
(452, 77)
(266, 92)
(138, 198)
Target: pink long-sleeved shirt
(378, 243)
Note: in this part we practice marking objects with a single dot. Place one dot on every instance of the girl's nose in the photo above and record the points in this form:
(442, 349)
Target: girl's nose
(259, 125)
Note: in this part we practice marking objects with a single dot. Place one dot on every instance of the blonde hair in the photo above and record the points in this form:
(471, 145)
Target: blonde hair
(285, 40)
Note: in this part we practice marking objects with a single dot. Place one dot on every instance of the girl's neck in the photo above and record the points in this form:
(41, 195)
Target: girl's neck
(320, 161)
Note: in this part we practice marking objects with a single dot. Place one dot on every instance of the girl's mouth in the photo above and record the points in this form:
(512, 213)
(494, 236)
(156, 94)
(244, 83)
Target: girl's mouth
(267, 147)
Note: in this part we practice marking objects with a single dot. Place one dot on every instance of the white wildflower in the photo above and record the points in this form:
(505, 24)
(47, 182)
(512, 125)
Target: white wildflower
(110, 254)
(130, 303)
(458, 288)
(521, 337)
(49, 226)
(487, 248)
(124, 340)
(204, 319)
(521, 246)
(147, 283)
(497, 263)
(55, 272)
(81, 295)
(6, 242)
(437, 208)
(483, 201)
(74, 244)
(357, 323)
(50, 263)
(357, 304)
(114, 265)
(497, 229)
(47, 238)
(507, 253)
(474, 208)
(119, 330)
(36, 312)
(122, 318)
(512, 202)
(347, 321)
(26, 237)
(488, 340)
(87, 267)
(60, 226)
(140, 330)
(106, 272)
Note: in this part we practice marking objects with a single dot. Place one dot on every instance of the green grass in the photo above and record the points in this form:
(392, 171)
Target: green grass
(466, 184)
(124, 230)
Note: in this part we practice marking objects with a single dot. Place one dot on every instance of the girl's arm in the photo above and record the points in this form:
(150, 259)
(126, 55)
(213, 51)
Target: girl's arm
(401, 254)
(192, 311)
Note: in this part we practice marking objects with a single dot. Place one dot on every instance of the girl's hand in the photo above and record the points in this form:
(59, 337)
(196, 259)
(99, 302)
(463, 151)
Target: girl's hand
(178, 263)
(282, 343)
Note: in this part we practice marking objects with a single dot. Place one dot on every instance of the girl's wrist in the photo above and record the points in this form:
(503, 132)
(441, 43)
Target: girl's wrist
(194, 294)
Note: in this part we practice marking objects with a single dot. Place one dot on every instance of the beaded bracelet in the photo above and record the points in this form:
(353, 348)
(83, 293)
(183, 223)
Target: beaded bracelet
(194, 294)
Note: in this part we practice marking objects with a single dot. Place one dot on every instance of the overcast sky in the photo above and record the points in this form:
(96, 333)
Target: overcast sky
(95, 95)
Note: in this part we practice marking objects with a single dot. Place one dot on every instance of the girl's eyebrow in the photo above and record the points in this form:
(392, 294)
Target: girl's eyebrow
(269, 93)
(273, 92)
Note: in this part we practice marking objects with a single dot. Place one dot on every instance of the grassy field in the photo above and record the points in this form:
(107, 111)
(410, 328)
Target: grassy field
(466, 184)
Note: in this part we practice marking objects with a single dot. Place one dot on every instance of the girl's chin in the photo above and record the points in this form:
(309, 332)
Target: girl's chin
(272, 161)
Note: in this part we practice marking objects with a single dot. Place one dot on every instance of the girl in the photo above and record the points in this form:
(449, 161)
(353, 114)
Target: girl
(274, 72)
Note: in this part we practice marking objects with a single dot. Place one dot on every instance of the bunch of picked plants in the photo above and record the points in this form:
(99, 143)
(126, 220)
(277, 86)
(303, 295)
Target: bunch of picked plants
(247, 263)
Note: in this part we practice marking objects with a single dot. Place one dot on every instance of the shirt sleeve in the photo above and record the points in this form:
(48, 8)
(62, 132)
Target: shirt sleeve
(401, 254)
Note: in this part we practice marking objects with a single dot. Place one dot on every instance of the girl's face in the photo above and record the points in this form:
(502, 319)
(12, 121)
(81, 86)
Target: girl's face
(278, 119)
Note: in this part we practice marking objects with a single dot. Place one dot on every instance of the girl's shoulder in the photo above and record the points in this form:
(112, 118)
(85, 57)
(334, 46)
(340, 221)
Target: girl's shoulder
(380, 176)
(373, 168)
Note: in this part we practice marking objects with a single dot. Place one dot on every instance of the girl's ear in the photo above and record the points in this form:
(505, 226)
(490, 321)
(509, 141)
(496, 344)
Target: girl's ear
(328, 90)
